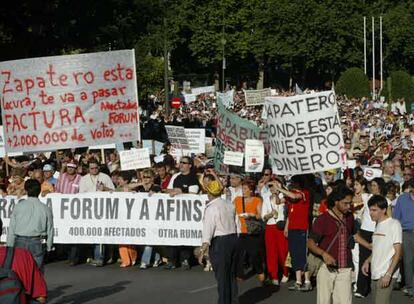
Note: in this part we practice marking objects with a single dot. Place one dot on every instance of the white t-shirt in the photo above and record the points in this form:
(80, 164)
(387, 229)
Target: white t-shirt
(367, 223)
(386, 234)
(89, 183)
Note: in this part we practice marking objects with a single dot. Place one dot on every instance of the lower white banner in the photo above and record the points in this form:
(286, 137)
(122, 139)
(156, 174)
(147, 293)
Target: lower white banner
(121, 218)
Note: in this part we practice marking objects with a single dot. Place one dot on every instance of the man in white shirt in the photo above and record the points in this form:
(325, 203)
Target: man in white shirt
(219, 242)
(93, 182)
(235, 188)
(386, 251)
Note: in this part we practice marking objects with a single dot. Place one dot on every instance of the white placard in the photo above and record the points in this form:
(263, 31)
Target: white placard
(304, 133)
(196, 140)
(226, 98)
(190, 98)
(177, 137)
(122, 218)
(135, 159)
(233, 158)
(203, 90)
(371, 173)
(110, 146)
(256, 97)
(254, 155)
(69, 101)
(155, 147)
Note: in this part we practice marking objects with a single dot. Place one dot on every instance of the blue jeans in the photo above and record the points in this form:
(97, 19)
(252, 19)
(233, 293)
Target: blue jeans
(35, 246)
(99, 253)
(147, 254)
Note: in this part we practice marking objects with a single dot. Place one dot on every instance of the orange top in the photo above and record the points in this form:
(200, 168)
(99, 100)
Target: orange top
(250, 207)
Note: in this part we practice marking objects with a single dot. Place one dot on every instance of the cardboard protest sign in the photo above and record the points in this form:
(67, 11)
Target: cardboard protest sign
(109, 146)
(371, 173)
(69, 101)
(254, 155)
(190, 98)
(256, 97)
(203, 90)
(233, 158)
(134, 159)
(196, 140)
(226, 98)
(232, 132)
(305, 133)
(155, 147)
(177, 137)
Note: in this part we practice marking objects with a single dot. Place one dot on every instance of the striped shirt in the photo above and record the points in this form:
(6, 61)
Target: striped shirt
(65, 185)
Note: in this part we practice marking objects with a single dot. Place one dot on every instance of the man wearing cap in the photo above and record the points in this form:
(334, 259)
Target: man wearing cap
(48, 172)
(68, 183)
(219, 242)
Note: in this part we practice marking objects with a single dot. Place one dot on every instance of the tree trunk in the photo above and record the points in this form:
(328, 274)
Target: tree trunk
(260, 82)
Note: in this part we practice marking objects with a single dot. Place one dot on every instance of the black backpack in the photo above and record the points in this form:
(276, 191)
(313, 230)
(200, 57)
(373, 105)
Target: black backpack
(11, 288)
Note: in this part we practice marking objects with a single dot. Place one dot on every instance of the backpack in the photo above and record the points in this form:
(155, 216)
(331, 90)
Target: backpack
(11, 288)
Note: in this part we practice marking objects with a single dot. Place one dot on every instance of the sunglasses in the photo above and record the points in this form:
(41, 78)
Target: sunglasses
(184, 163)
(267, 174)
(147, 177)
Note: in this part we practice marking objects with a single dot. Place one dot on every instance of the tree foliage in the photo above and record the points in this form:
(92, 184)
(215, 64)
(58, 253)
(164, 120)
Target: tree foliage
(353, 83)
(402, 86)
(311, 41)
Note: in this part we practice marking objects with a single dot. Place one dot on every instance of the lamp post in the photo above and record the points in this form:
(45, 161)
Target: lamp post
(223, 68)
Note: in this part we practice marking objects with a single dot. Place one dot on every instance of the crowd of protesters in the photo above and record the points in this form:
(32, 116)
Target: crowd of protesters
(326, 224)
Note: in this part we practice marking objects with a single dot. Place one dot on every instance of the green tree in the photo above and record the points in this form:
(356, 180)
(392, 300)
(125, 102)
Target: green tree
(402, 86)
(353, 83)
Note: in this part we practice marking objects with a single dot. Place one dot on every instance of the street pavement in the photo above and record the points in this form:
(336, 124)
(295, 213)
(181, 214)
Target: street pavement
(111, 284)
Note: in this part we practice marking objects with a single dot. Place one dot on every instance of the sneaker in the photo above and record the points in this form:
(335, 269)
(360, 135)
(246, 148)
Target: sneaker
(307, 286)
(274, 282)
(156, 263)
(185, 265)
(169, 266)
(285, 279)
(208, 267)
(96, 263)
(295, 286)
(358, 295)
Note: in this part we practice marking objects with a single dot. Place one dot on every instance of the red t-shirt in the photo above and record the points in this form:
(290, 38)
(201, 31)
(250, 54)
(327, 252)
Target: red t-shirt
(28, 273)
(298, 211)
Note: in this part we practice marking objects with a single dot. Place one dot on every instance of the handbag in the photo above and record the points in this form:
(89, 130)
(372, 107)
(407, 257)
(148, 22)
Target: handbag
(315, 262)
(253, 225)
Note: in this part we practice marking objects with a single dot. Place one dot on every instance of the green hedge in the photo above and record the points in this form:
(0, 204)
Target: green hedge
(353, 83)
(402, 86)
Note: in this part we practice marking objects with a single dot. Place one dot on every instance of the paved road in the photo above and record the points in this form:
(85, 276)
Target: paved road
(110, 284)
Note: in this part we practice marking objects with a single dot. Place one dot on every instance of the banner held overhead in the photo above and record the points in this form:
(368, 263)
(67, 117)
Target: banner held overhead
(69, 101)
(305, 133)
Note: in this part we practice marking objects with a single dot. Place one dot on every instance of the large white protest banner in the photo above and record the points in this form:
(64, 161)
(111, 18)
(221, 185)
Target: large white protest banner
(121, 218)
(226, 98)
(135, 159)
(304, 133)
(232, 158)
(256, 97)
(196, 140)
(254, 155)
(69, 101)
(203, 90)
